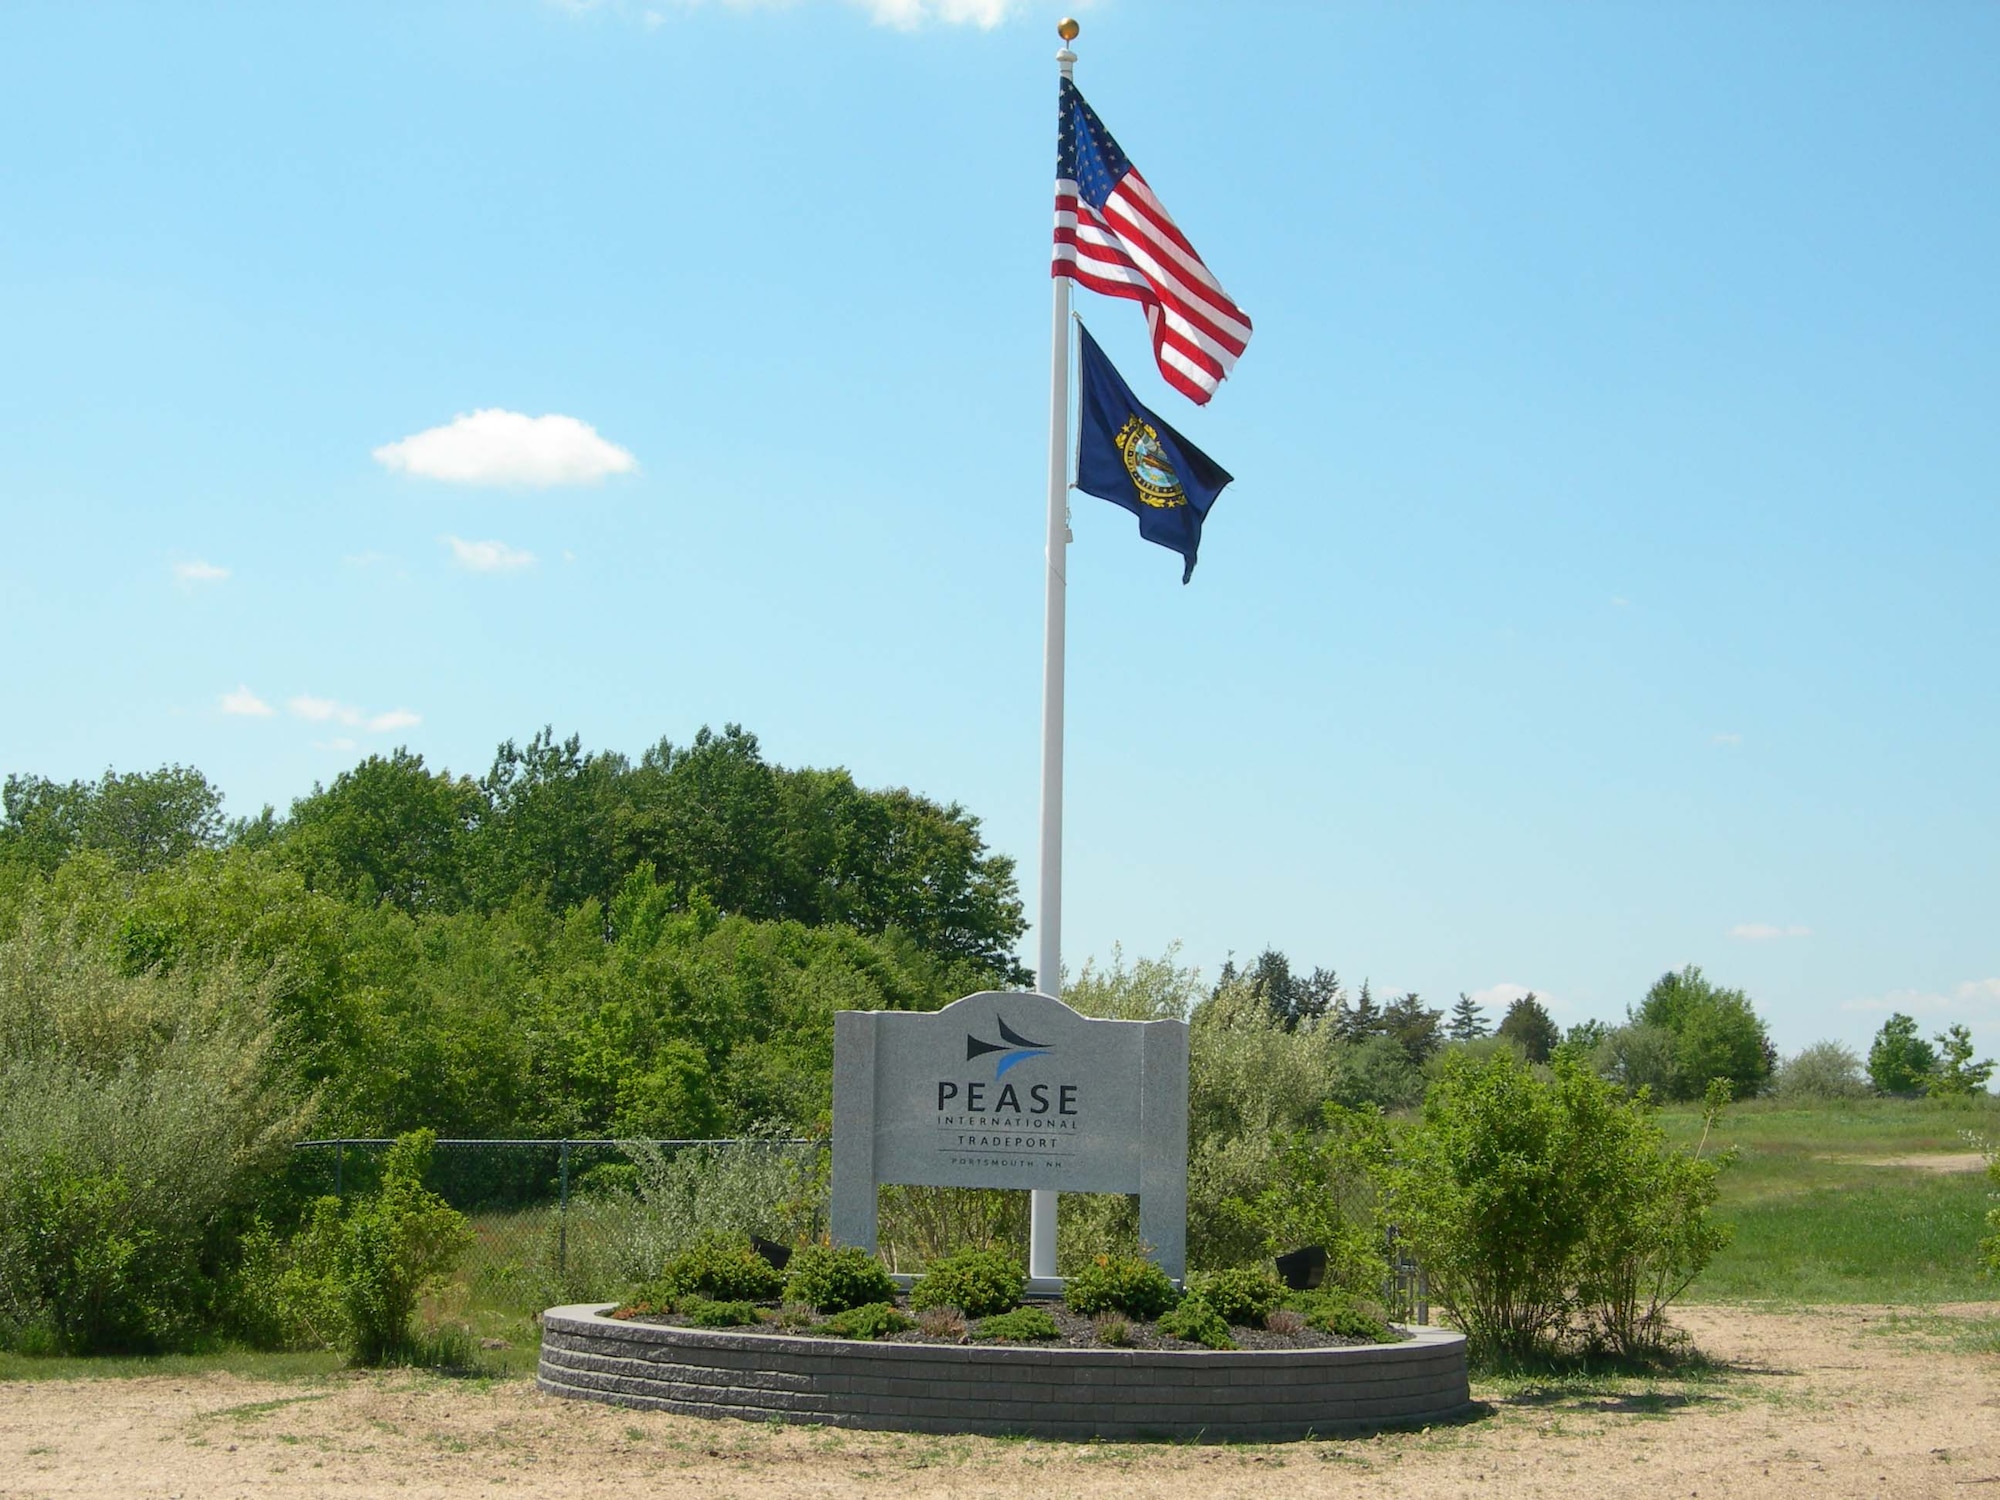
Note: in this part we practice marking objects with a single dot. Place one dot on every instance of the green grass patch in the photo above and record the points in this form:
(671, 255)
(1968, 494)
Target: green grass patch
(1899, 1241)
(1941, 1332)
(1824, 1214)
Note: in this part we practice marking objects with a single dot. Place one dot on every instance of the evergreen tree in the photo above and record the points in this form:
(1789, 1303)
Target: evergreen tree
(1414, 1027)
(1528, 1022)
(1468, 1020)
(1362, 1019)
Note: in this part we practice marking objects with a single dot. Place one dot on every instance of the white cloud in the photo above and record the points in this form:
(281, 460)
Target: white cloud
(342, 743)
(1764, 932)
(331, 711)
(1726, 738)
(908, 15)
(904, 15)
(194, 570)
(487, 557)
(1973, 997)
(508, 448)
(322, 710)
(246, 703)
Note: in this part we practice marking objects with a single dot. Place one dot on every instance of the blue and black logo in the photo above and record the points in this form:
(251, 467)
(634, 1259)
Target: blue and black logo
(1012, 1047)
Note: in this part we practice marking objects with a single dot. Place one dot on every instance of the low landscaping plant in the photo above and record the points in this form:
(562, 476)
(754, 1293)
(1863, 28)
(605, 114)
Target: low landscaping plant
(942, 1323)
(1022, 1325)
(979, 1283)
(832, 1280)
(1127, 1284)
(1197, 1323)
(721, 1268)
(704, 1312)
(1111, 1329)
(1335, 1312)
(871, 1320)
(1244, 1296)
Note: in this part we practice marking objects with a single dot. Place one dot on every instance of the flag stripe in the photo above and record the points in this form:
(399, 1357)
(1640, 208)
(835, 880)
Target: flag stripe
(1115, 237)
(1112, 258)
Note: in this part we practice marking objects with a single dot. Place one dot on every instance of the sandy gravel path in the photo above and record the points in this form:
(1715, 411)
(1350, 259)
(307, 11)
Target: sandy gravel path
(1834, 1402)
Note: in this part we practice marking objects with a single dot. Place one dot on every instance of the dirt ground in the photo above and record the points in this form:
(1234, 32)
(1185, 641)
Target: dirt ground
(1830, 1402)
(1937, 1163)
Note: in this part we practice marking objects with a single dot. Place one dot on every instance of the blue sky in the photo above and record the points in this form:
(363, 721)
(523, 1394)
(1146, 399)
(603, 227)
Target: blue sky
(1609, 582)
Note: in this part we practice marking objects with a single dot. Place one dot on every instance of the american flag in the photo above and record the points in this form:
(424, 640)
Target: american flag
(1113, 236)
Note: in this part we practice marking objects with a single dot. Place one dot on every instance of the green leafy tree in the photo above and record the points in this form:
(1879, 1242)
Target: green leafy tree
(1899, 1060)
(391, 830)
(1468, 1020)
(1957, 1075)
(1716, 1031)
(143, 820)
(550, 823)
(1529, 1023)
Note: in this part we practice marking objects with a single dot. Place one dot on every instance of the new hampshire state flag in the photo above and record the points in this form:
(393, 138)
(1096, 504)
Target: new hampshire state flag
(1130, 457)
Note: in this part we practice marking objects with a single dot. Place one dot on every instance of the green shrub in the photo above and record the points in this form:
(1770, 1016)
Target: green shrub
(721, 1268)
(287, 1293)
(1825, 1070)
(697, 1193)
(870, 1320)
(1197, 1323)
(1120, 1283)
(706, 1312)
(1022, 1325)
(395, 1246)
(830, 1281)
(1336, 1312)
(138, 1116)
(1551, 1212)
(1324, 1189)
(979, 1283)
(1242, 1296)
(1111, 1329)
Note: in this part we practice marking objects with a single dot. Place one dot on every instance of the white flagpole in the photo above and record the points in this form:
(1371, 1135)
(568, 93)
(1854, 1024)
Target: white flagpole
(1048, 965)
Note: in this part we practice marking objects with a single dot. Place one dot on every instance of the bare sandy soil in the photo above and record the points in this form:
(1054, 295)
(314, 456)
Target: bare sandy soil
(1940, 1162)
(1833, 1402)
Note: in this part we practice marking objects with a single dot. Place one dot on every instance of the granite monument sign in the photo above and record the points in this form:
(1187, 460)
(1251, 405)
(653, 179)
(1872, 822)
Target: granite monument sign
(1010, 1090)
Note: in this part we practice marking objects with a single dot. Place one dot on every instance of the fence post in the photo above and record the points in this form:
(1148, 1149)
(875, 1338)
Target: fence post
(562, 1218)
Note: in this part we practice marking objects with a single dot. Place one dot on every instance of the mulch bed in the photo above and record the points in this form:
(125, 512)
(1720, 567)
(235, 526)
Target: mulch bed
(1075, 1330)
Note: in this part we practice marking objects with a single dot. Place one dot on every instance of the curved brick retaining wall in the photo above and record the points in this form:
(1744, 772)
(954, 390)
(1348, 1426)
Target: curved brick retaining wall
(1059, 1393)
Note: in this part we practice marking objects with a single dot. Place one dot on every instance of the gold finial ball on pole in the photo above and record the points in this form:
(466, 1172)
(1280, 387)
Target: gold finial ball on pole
(1067, 29)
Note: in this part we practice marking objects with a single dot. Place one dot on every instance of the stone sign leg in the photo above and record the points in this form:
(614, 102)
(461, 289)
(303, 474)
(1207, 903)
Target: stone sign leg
(1163, 1133)
(852, 1210)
